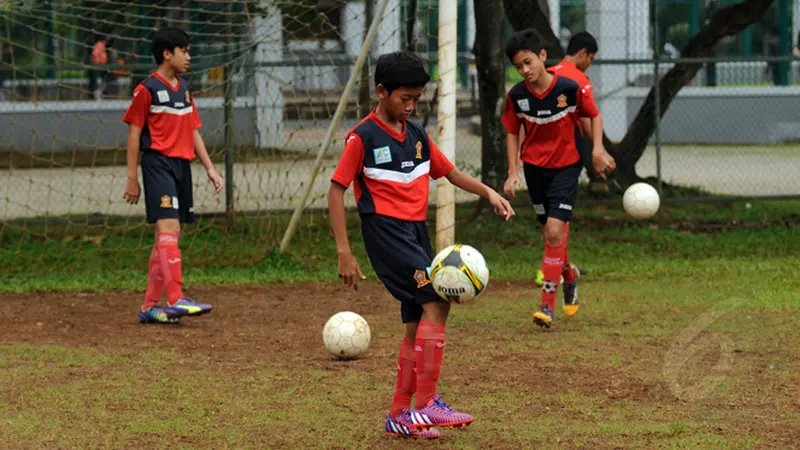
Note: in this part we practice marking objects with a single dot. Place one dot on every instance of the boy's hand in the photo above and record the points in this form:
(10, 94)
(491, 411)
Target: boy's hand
(132, 191)
(214, 177)
(501, 205)
(602, 162)
(511, 185)
(349, 270)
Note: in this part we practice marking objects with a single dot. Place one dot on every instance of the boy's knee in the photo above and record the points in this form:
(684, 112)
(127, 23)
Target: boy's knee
(554, 234)
(436, 311)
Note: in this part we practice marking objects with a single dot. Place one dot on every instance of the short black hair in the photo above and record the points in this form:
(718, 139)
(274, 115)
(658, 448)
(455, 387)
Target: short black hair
(523, 40)
(401, 69)
(168, 39)
(580, 41)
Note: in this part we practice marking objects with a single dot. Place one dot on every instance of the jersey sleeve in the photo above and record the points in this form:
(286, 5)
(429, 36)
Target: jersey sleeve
(510, 120)
(139, 109)
(586, 105)
(351, 163)
(440, 165)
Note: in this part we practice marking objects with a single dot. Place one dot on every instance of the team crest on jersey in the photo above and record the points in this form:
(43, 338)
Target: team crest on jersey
(382, 155)
(166, 202)
(419, 149)
(422, 278)
(524, 104)
(562, 101)
(163, 96)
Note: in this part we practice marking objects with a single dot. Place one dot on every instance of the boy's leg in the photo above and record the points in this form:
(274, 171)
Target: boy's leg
(558, 190)
(159, 190)
(387, 241)
(163, 187)
(567, 273)
(429, 346)
(406, 384)
(169, 254)
(155, 279)
(552, 265)
(177, 303)
(571, 275)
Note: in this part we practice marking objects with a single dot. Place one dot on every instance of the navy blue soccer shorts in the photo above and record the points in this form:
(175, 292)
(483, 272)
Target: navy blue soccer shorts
(553, 191)
(167, 187)
(400, 252)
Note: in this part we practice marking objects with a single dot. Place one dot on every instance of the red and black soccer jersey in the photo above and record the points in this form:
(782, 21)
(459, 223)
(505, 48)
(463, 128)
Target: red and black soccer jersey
(392, 170)
(167, 116)
(571, 71)
(550, 118)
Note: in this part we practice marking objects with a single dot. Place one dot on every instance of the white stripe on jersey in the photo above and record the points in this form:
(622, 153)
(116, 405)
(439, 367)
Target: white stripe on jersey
(398, 177)
(544, 120)
(171, 110)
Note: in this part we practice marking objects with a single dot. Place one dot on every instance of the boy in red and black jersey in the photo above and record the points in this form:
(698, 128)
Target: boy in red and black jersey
(391, 161)
(547, 107)
(163, 125)
(581, 51)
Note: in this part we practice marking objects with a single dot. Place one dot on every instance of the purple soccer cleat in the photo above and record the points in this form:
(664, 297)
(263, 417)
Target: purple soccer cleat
(400, 426)
(187, 307)
(437, 413)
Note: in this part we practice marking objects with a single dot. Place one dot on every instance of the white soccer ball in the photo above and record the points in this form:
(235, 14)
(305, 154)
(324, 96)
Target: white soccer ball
(459, 273)
(641, 201)
(346, 335)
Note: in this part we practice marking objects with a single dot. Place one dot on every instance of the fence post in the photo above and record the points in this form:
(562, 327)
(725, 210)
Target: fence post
(446, 120)
(228, 117)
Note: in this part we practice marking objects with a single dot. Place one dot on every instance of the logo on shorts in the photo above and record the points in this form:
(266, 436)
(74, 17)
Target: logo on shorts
(538, 209)
(422, 278)
(419, 149)
(524, 104)
(562, 101)
(169, 202)
(565, 206)
(382, 155)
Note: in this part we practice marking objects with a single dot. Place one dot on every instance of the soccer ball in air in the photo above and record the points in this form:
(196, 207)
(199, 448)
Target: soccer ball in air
(346, 335)
(459, 273)
(641, 201)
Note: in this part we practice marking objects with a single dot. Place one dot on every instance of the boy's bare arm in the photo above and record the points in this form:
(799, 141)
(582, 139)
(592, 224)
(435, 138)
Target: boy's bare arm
(202, 154)
(602, 161)
(470, 184)
(132, 189)
(349, 271)
(512, 151)
(586, 124)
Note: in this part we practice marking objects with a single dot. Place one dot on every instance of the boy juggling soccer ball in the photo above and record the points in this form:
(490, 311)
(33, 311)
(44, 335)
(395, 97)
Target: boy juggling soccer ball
(162, 123)
(548, 106)
(391, 161)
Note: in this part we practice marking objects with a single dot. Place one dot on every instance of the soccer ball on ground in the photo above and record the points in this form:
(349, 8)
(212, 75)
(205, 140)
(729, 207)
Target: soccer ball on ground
(346, 335)
(459, 273)
(641, 201)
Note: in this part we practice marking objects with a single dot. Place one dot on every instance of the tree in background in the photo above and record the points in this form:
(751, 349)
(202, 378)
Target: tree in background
(725, 21)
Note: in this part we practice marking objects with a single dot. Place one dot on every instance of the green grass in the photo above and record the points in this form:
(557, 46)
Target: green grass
(686, 240)
(613, 377)
(596, 381)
